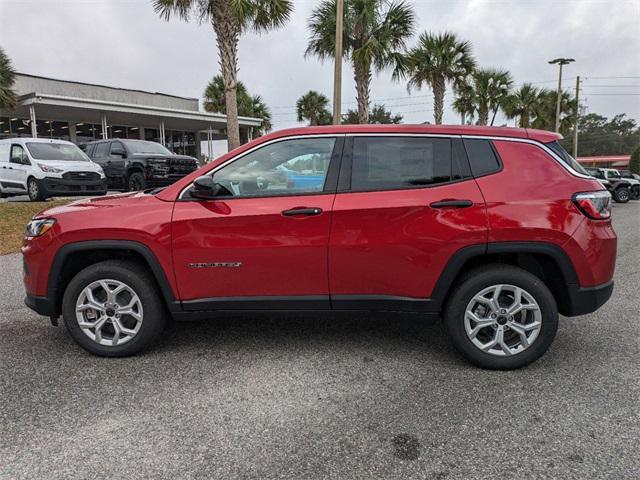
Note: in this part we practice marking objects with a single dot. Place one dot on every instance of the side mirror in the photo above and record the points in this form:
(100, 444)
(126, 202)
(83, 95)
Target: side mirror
(204, 188)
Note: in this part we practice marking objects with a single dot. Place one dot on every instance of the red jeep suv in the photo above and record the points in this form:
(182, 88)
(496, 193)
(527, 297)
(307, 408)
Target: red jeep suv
(496, 229)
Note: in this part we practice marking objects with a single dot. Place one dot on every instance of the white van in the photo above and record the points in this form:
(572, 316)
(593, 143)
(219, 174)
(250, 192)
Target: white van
(44, 168)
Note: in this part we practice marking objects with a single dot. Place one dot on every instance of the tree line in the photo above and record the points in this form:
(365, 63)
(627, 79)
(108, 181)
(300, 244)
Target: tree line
(375, 38)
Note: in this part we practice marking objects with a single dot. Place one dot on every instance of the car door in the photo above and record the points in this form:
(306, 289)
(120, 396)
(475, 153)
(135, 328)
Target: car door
(117, 158)
(263, 242)
(405, 205)
(19, 166)
(100, 155)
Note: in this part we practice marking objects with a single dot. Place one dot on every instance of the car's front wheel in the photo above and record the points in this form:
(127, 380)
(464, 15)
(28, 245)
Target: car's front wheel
(113, 308)
(35, 191)
(501, 317)
(136, 182)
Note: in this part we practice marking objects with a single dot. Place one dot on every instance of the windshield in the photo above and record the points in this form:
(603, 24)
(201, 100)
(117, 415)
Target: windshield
(56, 151)
(566, 158)
(147, 147)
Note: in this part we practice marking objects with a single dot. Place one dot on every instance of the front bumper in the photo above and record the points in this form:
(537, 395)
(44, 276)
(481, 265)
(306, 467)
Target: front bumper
(40, 305)
(61, 186)
(587, 299)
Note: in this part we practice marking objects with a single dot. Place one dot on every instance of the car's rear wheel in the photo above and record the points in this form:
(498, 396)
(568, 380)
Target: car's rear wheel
(113, 309)
(621, 195)
(501, 317)
(635, 192)
(136, 182)
(35, 192)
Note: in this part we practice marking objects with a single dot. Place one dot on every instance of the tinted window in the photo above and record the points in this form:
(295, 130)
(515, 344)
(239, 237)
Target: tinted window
(284, 168)
(482, 158)
(460, 165)
(399, 162)
(101, 150)
(116, 147)
(566, 158)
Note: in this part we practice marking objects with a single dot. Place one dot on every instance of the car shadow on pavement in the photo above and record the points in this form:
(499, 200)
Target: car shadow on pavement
(308, 330)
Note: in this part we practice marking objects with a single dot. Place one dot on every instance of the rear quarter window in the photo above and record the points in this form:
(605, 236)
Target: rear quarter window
(482, 157)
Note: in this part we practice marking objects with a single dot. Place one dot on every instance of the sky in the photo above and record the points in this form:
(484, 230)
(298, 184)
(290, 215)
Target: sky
(124, 43)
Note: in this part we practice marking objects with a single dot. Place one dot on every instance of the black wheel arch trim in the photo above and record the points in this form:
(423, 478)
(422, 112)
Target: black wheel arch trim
(61, 255)
(581, 300)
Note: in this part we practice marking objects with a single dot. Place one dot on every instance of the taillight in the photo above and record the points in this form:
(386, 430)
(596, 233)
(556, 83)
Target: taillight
(596, 205)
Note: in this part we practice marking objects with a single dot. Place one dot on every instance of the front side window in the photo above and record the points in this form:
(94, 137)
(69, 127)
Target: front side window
(18, 155)
(56, 151)
(290, 167)
(399, 162)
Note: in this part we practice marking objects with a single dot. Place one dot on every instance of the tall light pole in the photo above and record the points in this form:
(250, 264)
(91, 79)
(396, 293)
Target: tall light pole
(577, 119)
(560, 62)
(337, 74)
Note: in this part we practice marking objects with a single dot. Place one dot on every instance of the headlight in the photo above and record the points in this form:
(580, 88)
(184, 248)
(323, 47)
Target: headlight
(37, 228)
(48, 169)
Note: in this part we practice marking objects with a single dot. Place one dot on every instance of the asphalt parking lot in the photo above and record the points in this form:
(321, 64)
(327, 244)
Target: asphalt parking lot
(341, 396)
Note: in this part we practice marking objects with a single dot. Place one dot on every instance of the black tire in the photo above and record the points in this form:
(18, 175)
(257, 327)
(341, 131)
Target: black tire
(635, 192)
(474, 282)
(34, 190)
(621, 195)
(136, 182)
(154, 316)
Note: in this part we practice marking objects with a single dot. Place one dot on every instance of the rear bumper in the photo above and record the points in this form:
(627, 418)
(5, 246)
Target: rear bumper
(59, 186)
(588, 299)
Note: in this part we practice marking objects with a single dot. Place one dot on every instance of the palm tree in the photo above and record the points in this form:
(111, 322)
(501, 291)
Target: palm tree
(436, 60)
(248, 106)
(465, 101)
(259, 109)
(374, 35)
(312, 106)
(491, 87)
(230, 18)
(7, 77)
(545, 112)
(522, 104)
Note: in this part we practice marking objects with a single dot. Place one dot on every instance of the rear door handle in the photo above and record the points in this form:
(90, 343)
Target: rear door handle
(452, 204)
(302, 211)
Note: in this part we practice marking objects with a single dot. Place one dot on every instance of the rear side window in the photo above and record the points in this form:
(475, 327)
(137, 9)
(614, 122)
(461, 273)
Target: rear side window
(565, 157)
(101, 150)
(482, 157)
(399, 162)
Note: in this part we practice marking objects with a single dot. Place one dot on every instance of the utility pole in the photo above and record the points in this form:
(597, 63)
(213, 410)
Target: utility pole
(575, 126)
(337, 74)
(560, 62)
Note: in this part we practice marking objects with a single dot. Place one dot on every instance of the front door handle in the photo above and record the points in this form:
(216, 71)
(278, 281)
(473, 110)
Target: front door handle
(451, 204)
(302, 211)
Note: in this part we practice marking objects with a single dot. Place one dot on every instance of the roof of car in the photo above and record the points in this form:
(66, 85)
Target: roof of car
(477, 130)
(33, 140)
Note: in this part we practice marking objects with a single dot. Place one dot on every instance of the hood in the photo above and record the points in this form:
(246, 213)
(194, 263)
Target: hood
(163, 157)
(71, 166)
(115, 200)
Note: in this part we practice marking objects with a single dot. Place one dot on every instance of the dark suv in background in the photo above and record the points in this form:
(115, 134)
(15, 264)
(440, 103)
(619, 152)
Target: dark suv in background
(132, 165)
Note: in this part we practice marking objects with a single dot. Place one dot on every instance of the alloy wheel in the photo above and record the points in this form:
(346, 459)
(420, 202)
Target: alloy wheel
(109, 312)
(503, 320)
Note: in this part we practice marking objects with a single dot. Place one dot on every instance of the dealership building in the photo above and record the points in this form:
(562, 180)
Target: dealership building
(82, 112)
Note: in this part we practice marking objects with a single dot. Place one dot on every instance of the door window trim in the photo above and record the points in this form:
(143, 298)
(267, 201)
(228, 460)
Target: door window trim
(331, 177)
(346, 171)
(24, 155)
